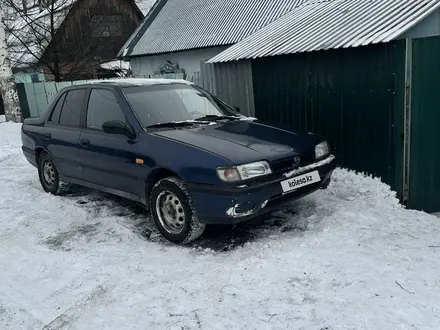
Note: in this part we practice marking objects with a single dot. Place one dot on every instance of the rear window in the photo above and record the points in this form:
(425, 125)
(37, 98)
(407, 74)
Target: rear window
(55, 116)
(71, 112)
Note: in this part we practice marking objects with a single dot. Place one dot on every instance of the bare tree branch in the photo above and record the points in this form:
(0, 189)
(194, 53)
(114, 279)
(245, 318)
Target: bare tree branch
(410, 292)
(54, 41)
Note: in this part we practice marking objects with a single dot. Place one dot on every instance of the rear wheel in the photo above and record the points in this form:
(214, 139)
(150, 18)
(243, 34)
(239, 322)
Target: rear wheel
(48, 174)
(173, 211)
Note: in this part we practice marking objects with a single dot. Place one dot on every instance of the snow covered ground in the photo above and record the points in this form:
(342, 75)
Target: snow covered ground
(346, 258)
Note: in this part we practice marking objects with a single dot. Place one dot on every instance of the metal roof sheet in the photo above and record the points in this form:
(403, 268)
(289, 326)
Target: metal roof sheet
(331, 24)
(191, 24)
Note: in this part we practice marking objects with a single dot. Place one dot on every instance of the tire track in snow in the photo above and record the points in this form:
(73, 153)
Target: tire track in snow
(14, 316)
(98, 297)
(295, 218)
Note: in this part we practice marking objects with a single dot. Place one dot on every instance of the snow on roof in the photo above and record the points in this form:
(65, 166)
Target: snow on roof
(190, 24)
(116, 64)
(331, 24)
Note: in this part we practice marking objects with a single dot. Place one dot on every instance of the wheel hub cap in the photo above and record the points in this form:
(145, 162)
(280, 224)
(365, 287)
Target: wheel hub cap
(49, 173)
(170, 212)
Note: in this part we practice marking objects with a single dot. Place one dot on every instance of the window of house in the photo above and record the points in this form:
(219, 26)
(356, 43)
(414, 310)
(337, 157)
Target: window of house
(55, 116)
(35, 78)
(103, 106)
(106, 25)
(71, 112)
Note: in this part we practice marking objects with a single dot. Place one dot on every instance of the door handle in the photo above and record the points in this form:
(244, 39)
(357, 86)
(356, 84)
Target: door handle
(84, 142)
(47, 135)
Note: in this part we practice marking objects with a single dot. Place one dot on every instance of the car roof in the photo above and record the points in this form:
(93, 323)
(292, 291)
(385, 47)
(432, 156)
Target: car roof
(128, 82)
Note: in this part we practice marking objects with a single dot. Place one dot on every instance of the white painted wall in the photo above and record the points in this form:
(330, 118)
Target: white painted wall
(187, 60)
(25, 75)
(429, 27)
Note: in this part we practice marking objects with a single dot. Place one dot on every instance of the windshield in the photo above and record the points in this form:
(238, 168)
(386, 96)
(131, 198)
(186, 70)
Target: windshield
(174, 103)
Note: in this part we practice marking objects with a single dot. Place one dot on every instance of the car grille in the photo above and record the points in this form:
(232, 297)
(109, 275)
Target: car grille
(288, 164)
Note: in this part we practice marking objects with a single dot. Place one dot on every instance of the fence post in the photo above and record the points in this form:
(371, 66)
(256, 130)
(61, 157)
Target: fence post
(22, 98)
(407, 121)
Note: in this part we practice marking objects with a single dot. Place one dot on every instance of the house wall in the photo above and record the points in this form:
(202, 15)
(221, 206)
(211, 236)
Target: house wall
(29, 76)
(429, 27)
(187, 60)
(92, 33)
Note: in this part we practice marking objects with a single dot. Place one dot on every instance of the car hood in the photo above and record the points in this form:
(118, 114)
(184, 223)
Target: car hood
(245, 141)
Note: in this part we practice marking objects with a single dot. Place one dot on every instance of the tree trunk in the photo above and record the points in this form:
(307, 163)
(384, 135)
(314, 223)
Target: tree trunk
(56, 67)
(7, 81)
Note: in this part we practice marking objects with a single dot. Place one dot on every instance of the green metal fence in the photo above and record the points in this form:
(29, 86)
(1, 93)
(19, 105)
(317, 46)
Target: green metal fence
(424, 171)
(354, 97)
(35, 97)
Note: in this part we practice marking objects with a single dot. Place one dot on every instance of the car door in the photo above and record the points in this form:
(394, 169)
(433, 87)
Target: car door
(107, 160)
(62, 132)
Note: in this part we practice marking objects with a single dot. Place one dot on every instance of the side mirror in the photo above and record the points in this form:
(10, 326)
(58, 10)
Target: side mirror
(117, 127)
(237, 109)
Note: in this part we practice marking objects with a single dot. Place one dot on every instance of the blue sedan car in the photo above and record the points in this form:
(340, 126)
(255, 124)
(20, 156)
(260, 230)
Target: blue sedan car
(188, 156)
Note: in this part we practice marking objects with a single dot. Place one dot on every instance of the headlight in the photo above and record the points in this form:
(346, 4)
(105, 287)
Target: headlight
(322, 150)
(243, 172)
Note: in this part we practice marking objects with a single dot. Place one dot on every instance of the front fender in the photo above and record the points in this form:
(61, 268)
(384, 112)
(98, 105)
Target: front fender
(191, 164)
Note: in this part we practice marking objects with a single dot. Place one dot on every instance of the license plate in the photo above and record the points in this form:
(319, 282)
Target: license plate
(300, 181)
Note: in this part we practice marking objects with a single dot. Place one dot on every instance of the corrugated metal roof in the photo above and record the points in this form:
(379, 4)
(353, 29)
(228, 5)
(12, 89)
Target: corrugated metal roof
(191, 24)
(139, 30)
(332, 24)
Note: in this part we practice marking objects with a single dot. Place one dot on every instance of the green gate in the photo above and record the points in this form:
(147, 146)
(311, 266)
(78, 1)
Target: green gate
(424, 171)
(354, 97)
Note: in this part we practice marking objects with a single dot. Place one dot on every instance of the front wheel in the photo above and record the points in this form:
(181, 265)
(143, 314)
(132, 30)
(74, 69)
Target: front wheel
(173, 211)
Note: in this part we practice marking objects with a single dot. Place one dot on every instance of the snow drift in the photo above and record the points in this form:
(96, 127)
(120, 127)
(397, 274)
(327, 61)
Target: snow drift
(349, 257)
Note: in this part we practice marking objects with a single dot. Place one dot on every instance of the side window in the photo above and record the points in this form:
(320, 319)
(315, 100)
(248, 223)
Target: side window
(103, 107)
(71, 112)
(55, 116)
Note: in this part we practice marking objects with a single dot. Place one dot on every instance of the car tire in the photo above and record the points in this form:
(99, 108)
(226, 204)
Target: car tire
(48, 174)
(173, 211)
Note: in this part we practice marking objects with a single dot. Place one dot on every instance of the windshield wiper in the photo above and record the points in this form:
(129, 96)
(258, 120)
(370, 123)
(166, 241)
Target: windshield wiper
(216, 117)
(173, 124)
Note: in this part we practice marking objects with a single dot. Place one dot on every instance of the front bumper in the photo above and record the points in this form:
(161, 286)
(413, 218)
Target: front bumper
(228, 205)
